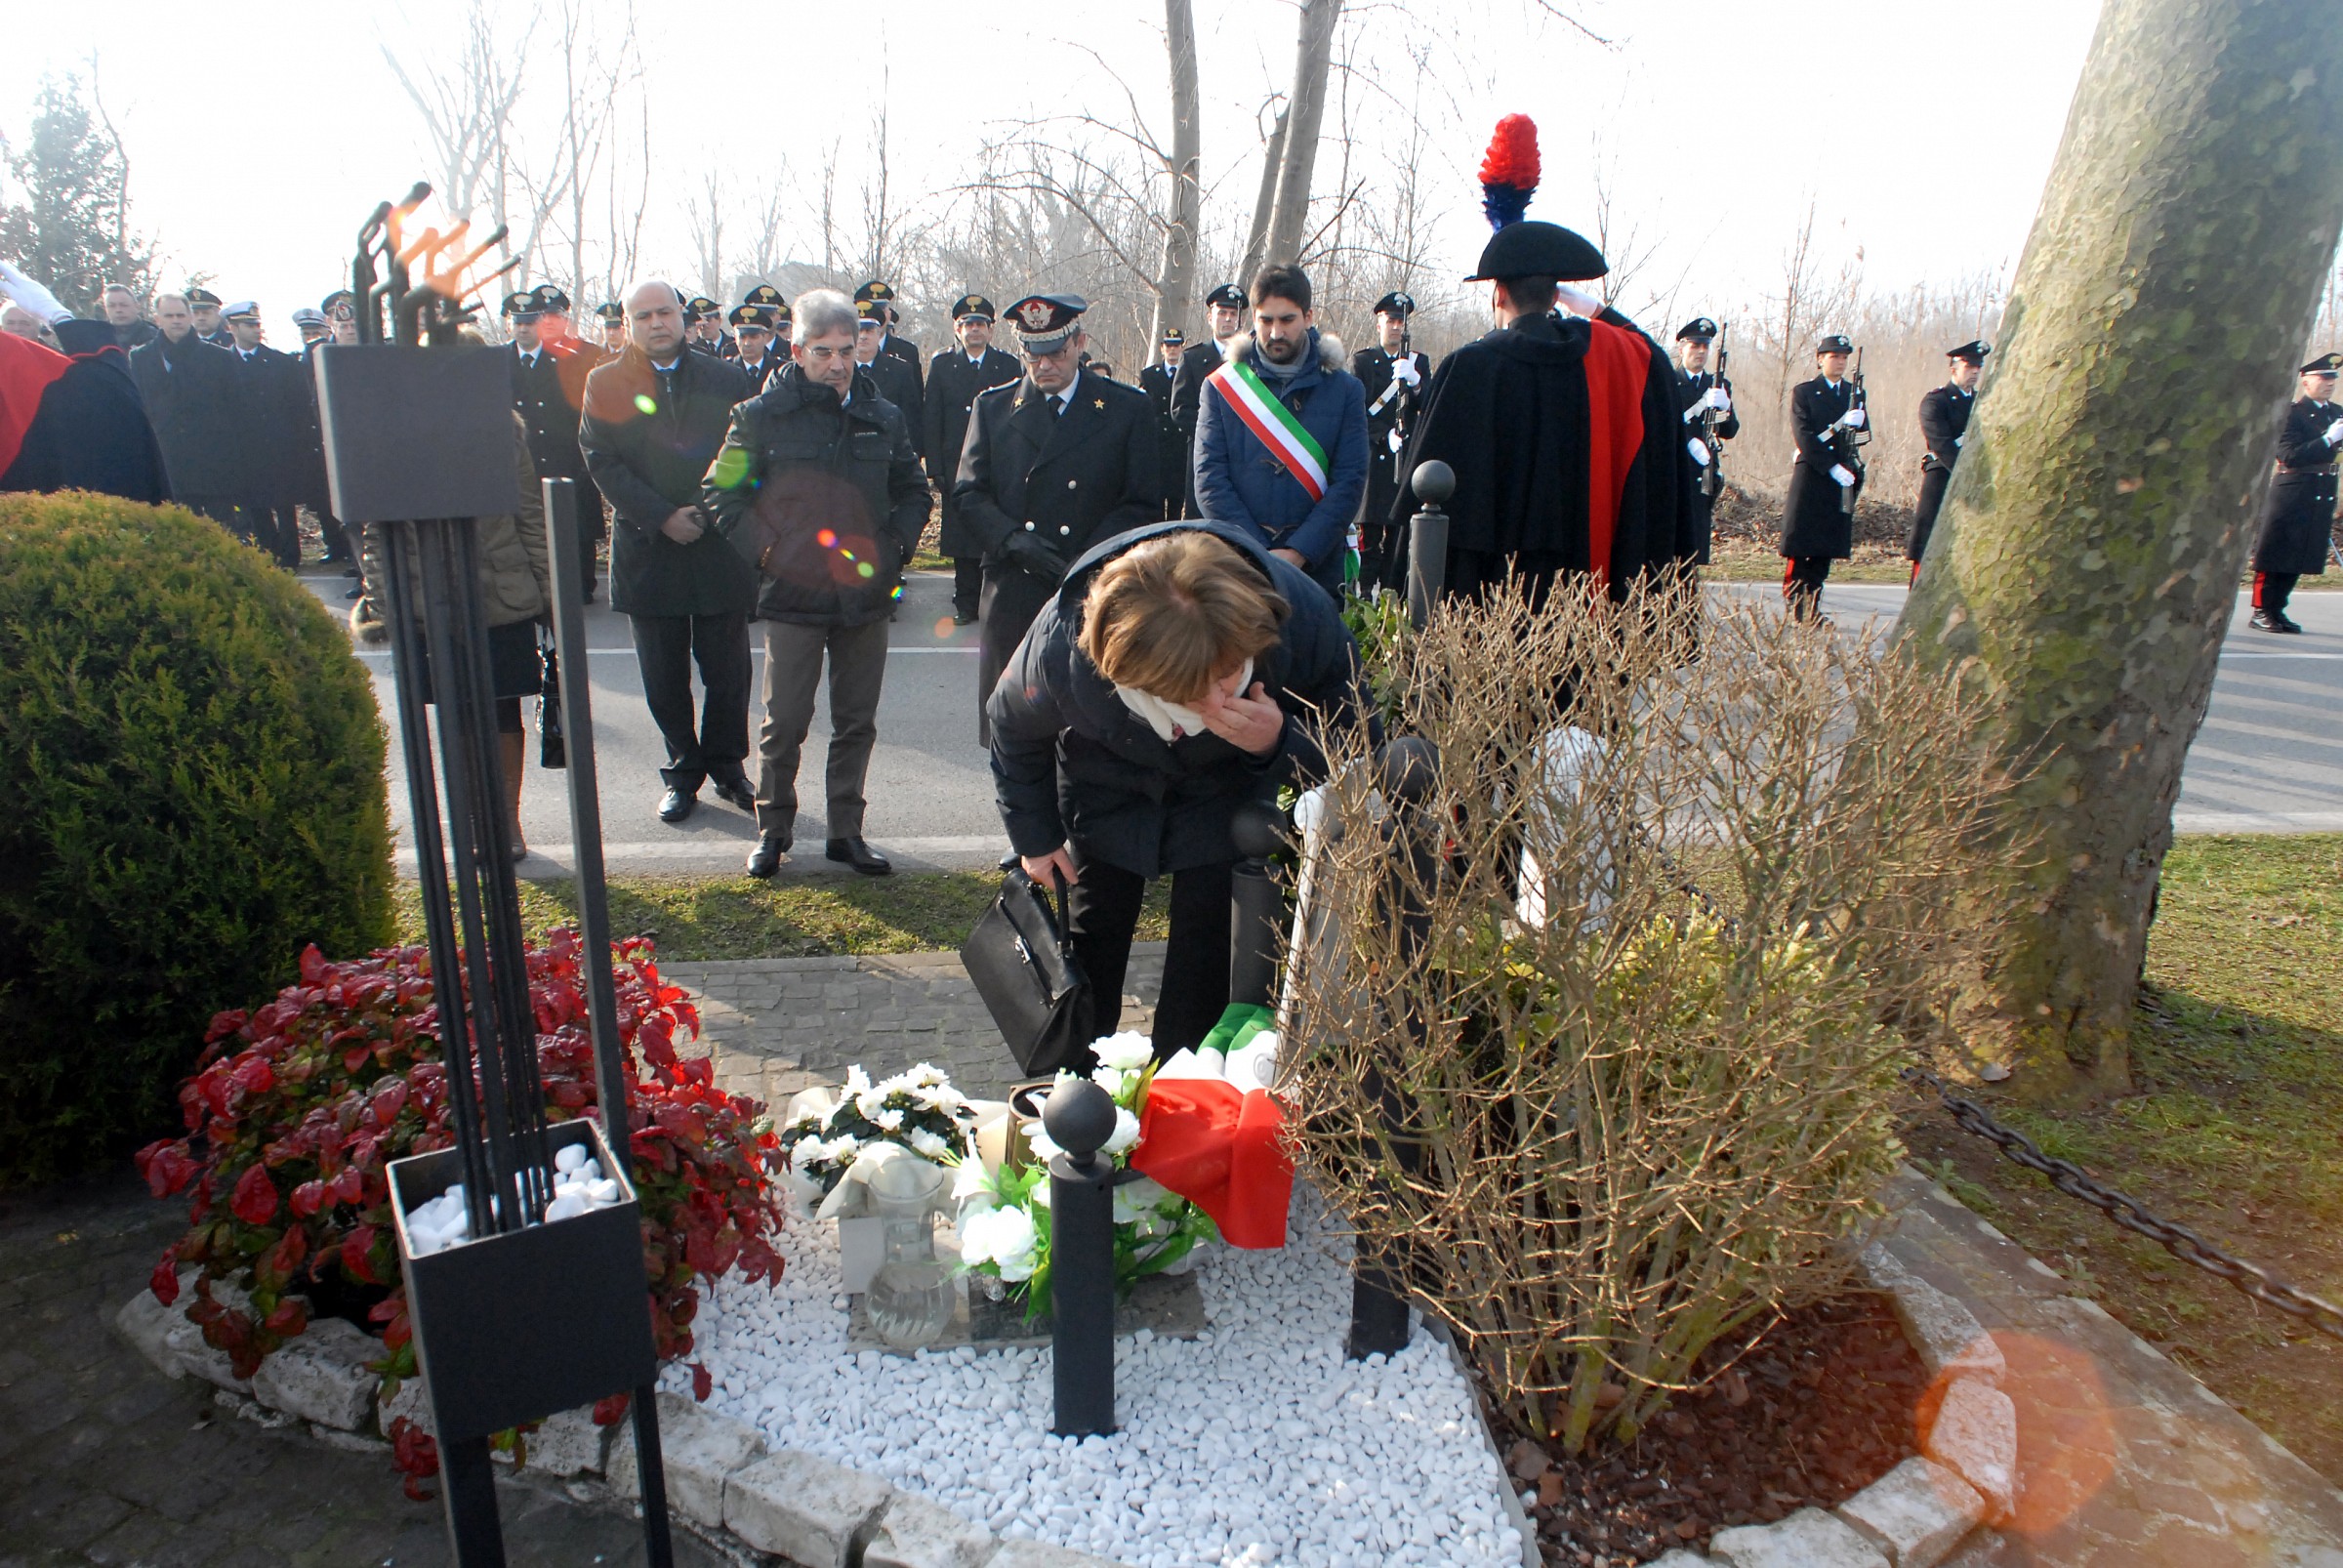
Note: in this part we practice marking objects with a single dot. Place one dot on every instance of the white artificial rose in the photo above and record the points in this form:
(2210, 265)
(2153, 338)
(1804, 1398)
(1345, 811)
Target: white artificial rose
(1044, 1149)
(1005, 1238)
(1127, 1131)
(1141, 1199)
(1130, 1050)
(1113, 1079)
(889, 1119)
(927, 1143)
(858, 1082)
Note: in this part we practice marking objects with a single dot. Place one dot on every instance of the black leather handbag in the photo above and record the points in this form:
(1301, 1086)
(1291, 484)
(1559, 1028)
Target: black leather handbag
(1024, 968)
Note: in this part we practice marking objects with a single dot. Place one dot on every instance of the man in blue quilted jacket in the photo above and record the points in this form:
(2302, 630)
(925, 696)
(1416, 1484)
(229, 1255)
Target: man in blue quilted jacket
(1281, 438)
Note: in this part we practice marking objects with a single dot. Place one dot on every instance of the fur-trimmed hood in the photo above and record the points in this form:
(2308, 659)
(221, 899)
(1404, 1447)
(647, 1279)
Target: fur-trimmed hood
(1330, 349)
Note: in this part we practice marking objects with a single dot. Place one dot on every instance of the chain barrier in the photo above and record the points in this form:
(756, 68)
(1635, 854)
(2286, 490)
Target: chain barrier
(2178, 1240)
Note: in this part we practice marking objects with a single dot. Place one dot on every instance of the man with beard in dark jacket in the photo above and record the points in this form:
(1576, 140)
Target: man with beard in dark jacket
(955, 378)
(818, 485)
(654, 417)
(196, 402)
(277, 403)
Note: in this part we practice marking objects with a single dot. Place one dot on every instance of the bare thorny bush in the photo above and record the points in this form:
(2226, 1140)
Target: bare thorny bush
(1595, 1141)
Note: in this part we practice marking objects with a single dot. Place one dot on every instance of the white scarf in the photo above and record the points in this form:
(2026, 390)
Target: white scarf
(1169, 720)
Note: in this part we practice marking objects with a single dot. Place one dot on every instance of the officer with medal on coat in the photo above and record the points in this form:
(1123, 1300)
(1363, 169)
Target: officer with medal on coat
(2298, 519)
(1817, 517)
(1944, 426)
(1707, 400)
(955, 379)
(1053, 463)
(1393, 378)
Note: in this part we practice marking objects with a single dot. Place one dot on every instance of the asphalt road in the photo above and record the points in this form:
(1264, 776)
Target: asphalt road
(2269, 758)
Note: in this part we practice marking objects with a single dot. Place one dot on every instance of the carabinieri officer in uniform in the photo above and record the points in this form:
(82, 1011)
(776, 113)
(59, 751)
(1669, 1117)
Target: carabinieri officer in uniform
(1944, 426)
(1707, 399)
(1817, 517)
(2298, 521)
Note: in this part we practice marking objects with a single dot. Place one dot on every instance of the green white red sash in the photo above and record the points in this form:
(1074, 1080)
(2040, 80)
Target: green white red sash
(1274, 422)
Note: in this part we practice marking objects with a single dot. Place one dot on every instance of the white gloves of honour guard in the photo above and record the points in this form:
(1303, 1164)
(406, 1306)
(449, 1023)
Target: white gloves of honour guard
(1394, 442)
(1717, 398)
(2334, 433)
(1403, 371)
(1699, 450)
(1853, 419)
(1843, 475)
(30, 296)
(1578, 302)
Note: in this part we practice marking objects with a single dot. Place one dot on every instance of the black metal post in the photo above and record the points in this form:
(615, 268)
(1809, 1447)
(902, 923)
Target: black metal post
(1256, 905)
(1079, 1118)
(469, 1478)
(593, 939)
(1433, 482)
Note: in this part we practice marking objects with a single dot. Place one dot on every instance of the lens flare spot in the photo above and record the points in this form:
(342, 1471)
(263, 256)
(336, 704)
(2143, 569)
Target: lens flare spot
(645, 403)
(865, 569)
(943, 627)
(827, 538)
(847, 554)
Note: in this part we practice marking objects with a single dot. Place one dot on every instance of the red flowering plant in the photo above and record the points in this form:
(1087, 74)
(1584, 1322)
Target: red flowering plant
(297, 1109)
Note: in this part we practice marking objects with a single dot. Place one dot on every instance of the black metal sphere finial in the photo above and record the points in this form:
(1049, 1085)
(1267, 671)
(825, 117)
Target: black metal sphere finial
(1434, 483)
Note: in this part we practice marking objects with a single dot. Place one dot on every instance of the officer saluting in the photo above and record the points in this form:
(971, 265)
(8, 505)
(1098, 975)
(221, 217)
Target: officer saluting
(1707, 399)
(1817, 517)
(1944, 426)
(2298, 519)
(955, 378)
(1054, 463)
(1394, 378)
(753, 331)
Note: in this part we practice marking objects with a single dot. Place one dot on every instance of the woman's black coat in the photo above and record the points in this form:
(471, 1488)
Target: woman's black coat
(1071, 761)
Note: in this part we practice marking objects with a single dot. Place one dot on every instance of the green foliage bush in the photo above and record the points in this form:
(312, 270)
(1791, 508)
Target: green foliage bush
(192, 768)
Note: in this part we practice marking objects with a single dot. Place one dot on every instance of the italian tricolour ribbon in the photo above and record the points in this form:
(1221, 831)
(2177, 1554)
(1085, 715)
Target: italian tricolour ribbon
(1274, 422)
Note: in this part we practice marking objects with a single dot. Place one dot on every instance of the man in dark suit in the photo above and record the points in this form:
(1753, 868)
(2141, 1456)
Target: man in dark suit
(898, 383)
(1054, 463)
(196, 402)
(955, 378)
(892, 345)
(1224, 308)
(753, 330)
(1393, 376)
(1944, 426)
(1818, 517)
(549, 391)
(685, 591)
(1710, 422)
(282, 428)
(1158, 381)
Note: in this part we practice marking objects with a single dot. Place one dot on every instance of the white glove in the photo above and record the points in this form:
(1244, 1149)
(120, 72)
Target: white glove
(1578, 303)
(1717, 398)
(2334, 433)
(1403, 371)
(1852, 419)
(1395, 444)
(31, 296)
(1958, 442)
(1699, 450)
(1843, 475)
(1694, 412)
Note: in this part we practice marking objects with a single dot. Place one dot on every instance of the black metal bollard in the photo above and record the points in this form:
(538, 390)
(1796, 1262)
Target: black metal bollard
(1257, 906)
(1427, 539)
(1079, 1118)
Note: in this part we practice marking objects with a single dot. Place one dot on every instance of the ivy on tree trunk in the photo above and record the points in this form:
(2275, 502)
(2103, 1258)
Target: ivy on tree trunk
(2085, 570)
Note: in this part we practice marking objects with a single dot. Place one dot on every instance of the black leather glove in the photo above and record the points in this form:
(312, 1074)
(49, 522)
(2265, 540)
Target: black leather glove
(1029, 554)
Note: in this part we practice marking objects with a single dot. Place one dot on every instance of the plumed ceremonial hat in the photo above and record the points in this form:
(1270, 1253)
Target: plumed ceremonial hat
(610, 310)
(875, 290)
(763, 294)
(1174, 338)
(551, 299)
(755, 317)
(1525, 247)
(1045, 322)
(1396, 304)
(1700, 329)
(1834, 343)
(975, 304)
(1974, 352)
(198, 295)
(2326, 364)
(1228, 294)
(521, 306)
(241, 311)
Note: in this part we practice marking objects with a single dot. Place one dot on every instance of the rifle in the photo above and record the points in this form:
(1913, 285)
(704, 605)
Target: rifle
(1860, 436)
(1713, 477)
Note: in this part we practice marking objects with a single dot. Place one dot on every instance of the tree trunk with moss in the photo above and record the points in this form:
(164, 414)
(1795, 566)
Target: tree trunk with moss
(2085, 567)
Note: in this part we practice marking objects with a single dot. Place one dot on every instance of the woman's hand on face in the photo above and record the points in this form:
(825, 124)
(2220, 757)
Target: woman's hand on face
(1051, 869)
(1251, 723)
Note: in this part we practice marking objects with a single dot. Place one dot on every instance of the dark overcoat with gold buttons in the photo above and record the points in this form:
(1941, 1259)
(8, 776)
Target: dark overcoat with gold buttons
(1071, 481)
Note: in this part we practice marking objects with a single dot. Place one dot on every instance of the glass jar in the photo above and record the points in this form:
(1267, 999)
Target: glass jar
(908, 1302)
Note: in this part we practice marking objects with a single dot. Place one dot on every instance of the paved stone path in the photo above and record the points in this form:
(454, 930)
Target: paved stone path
(2123, 1457)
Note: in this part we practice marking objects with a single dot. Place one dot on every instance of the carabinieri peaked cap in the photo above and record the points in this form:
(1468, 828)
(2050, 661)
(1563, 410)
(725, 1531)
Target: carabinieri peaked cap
(521, 306)
(1974, 352)
(754, 318)
(763, 294)
(870, 312)
(1834, 343)
(198, 294)
(1700, 329)
(1228, 294)
(875, 291)
(551, 300)
(1396, 304)
(1045, 322)
(1525, 247)
(699, 308)
(975, 304)
(1174, 338)
(2326, 364)
(610, 311)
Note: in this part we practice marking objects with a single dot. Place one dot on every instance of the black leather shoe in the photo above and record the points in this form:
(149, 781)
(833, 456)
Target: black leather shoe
(959, 619)
(736, 791)
(677, 803)
(2273, 621)
(766, 857)
(858, 853)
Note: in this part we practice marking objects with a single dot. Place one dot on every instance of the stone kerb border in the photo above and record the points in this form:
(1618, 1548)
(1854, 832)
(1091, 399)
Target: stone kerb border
(727, 1485)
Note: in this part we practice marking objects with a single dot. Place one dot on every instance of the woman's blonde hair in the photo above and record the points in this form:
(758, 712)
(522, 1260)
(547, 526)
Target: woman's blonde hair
(1166, 616)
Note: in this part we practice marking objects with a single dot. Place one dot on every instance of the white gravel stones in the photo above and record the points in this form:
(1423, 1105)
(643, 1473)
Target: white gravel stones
(1916, 1513)
(1976, 1435)
(1254, 1444)
(1807, 1539)
(579, 1186)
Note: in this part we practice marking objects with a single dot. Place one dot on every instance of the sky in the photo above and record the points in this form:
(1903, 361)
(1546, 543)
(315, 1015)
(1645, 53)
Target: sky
(1920, 133)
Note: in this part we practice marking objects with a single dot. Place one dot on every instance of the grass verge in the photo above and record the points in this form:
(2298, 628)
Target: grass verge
(700, 918)
(2236, 1129)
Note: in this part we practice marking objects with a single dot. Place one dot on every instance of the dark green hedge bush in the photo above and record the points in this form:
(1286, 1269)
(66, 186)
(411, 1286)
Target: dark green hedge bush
(190, 791)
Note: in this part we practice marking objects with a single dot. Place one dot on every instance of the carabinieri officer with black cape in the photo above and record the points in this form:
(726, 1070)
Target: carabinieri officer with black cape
(2298, 521)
